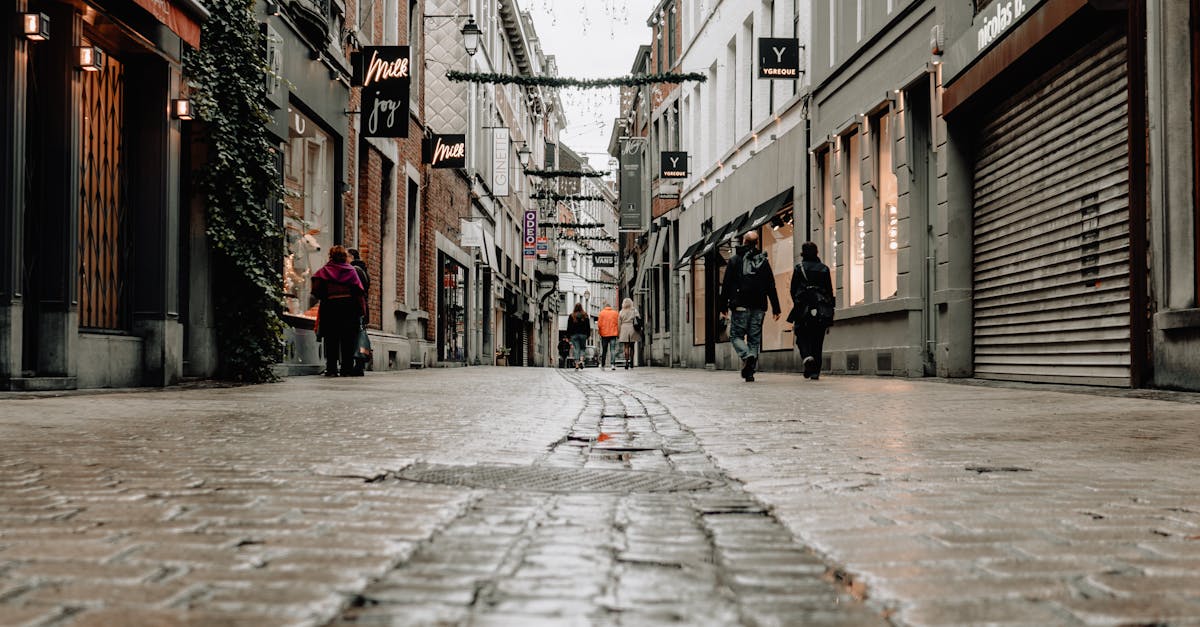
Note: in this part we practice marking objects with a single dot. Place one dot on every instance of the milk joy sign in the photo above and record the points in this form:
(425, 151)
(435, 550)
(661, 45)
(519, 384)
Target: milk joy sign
(384, 77)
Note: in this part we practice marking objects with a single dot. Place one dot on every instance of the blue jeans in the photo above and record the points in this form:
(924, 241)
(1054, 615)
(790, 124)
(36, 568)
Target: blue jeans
(746, 324)
(608, 350)
(579, 342)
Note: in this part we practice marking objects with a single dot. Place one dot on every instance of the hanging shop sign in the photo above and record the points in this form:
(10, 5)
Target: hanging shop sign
(633, 208)
(531, 220)
(445, 151)
(500, 162)
(472, 233)
(543, 247)
(674, 165)
(180, 21)
(604, 260)
(383, 73)
(778, 58)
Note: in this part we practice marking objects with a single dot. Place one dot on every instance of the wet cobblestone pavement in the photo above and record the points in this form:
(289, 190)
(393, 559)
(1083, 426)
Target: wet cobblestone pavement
(705, 501)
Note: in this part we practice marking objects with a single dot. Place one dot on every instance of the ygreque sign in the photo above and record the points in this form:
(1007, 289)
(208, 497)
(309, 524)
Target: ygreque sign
(778, 58)
(674, 165)
(445, 151)
(383, 73)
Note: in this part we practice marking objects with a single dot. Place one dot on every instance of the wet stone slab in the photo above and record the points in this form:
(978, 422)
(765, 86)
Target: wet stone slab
(586, 536)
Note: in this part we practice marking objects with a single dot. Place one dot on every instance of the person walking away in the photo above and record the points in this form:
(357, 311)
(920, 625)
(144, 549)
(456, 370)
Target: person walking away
(579, 327)
(630, 320)
(812, 313)
(564, 349)
(360, 363)
(609, 326)
(339, 317)
(749, 284)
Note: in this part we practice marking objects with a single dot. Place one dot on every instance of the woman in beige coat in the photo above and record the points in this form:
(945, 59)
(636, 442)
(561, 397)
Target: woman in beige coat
(631, 321)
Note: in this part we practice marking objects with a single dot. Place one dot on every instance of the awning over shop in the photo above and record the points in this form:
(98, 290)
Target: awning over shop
(763, 213)
(707, 244)
(182, 17)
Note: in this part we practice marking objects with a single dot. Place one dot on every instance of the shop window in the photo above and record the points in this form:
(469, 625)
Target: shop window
(888, 199)
(700, 319)
(856, 228)
(308, 211)
(777, 241)
(452, 311)
(412, 258)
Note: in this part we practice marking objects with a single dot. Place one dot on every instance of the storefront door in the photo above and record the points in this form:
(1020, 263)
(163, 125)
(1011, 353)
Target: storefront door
(1051, 226)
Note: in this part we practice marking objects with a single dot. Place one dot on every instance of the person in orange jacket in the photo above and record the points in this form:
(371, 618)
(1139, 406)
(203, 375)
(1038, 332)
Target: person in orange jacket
(609, 329)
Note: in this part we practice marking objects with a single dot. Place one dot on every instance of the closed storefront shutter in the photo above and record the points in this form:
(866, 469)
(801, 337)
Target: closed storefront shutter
(1051, 227)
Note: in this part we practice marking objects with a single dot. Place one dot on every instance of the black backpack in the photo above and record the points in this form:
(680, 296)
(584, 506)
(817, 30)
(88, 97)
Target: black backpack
(811, 302)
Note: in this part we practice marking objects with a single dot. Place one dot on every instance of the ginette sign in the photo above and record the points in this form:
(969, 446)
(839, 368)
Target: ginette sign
(778, 58)
(632, 209)
(445, 151)
(674, 165)
(530, 246)
(385, 75)
(604, 260)
(500, 162)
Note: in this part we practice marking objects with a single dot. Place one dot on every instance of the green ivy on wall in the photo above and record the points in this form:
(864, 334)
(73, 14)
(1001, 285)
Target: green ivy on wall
(239, 181)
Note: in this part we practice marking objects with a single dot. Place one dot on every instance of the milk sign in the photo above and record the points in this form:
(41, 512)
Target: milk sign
(385, 86)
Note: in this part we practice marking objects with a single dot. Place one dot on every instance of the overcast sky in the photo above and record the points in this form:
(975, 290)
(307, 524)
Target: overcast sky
(591, 39)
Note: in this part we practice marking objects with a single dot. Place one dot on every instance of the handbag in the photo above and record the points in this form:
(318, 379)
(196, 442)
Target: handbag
(363, 353)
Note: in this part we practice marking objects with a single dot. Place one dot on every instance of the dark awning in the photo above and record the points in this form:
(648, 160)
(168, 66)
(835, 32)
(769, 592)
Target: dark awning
(763, 213)
(692, 251)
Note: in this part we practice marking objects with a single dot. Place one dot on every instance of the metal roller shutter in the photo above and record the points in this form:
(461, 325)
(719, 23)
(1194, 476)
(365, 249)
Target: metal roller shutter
(1051, 272)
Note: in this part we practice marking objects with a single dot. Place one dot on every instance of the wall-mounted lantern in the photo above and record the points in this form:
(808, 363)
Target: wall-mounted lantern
(471, 34)
(181, 109)
(91, 58)
(35, 26)
(523, 154)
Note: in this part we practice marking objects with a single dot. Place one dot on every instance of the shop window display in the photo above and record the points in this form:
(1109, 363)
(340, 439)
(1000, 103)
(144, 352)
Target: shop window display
(778, 242)
(828, 250)
(700, 319)
(452, 330)
(308, 210)
(856, 231)
(889, 218)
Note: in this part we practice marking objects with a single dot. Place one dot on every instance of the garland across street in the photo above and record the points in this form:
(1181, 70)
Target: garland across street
(580, 83)
(566, 197)
(567, 173)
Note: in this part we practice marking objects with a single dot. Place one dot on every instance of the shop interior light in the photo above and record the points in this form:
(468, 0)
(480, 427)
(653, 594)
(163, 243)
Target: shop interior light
(181, 109)
(35, 26)
(91, 58)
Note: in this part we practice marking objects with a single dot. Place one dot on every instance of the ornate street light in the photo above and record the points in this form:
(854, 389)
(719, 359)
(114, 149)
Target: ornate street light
(471, 34)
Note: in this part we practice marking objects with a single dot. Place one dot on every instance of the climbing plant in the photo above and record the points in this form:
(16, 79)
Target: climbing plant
(239, 181)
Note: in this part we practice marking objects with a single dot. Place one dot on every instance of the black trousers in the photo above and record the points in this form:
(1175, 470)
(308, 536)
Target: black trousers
(339, 327)
(810, 339)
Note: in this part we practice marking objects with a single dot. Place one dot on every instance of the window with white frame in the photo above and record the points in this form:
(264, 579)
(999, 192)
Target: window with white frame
(856, 228)
(887, 206)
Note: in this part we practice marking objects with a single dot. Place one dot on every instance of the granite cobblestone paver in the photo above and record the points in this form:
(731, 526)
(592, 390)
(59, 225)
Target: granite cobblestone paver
(950, 504)
(940, 504)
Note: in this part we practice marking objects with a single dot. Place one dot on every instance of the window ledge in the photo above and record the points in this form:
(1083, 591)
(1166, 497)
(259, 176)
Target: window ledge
(866, 310)
(1177, 319)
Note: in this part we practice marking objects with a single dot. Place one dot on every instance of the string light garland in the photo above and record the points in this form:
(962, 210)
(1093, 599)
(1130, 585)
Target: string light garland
(567, 173)
(579, 83)
(571, 225)
(583, 238)
(567, 197)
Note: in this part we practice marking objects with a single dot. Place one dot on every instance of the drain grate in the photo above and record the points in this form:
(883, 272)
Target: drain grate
(561, 480)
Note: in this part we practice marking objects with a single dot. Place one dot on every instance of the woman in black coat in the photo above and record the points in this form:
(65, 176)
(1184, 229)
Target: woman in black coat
(813, 303)
(579, 327)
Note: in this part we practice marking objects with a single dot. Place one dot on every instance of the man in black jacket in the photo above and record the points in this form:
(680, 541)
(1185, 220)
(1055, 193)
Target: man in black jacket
(749, 283)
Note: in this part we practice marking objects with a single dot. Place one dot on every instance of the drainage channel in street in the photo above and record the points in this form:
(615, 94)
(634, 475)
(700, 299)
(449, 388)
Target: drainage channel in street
(624, 521)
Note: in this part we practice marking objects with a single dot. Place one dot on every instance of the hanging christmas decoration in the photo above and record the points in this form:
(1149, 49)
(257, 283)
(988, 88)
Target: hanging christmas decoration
(580, 83)
(566, 173)
(570, 225)
(565, 197)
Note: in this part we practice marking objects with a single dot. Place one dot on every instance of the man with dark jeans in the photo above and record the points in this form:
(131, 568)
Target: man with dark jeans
(749, 283)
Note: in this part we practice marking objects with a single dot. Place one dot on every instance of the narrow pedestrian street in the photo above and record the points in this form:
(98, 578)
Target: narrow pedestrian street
(528, 496)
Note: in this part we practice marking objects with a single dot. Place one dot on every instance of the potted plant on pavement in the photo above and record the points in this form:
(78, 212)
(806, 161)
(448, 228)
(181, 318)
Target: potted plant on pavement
(502, 355)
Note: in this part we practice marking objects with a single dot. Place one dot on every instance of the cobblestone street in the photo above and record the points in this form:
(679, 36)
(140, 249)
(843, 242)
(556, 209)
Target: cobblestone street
(519, 496)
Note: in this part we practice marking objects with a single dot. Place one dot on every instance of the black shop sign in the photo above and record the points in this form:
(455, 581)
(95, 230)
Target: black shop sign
(674, 165)
(778, 58)
(604, 260)
(445, 151)
(383, 73)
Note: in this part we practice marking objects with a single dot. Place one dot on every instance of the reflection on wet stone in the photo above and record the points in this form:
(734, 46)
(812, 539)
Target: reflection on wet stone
(535, 553)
